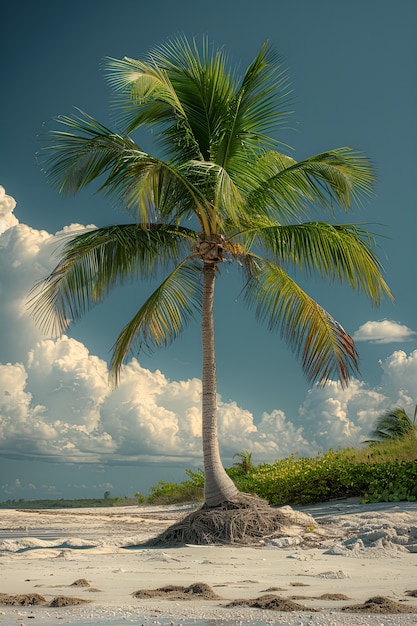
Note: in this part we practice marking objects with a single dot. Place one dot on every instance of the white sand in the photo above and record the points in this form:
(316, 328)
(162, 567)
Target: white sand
(360, 551)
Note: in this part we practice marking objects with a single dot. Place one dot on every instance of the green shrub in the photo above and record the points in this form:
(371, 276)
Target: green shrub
(173, 493)
(195, 479)
(377, 473)
(308, 480)
(393, 482)
(330, 476)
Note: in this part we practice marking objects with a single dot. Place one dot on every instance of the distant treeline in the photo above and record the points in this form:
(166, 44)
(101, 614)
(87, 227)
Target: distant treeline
(62, 504)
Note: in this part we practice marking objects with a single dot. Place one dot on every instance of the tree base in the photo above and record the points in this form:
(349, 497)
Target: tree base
(245, 520)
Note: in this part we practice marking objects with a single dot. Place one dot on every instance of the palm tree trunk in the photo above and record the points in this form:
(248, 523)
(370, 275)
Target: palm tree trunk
(218, 487)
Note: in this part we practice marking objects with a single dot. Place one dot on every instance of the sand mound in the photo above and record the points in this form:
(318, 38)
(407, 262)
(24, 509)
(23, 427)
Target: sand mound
(272, 603)
(177, 592)
(34, 599)
(333, 596)
(67, 601)
(324, 596)
(80, 582)
(24, 599)
(379, 604)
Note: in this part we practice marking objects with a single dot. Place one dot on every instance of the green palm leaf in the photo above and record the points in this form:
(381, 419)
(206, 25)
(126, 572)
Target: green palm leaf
(148, 187)
(152, 189)
(324, 347)
(146, 96)
(221, 171)
(95, 261)
(74, 157)
(202, 79)
(287, 189)
(394, 424)
(335, 251)
(164, 314)
(227, 205)
(258, 108)
(191, 95)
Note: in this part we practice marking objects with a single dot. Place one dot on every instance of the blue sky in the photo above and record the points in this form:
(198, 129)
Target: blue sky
(62, 432)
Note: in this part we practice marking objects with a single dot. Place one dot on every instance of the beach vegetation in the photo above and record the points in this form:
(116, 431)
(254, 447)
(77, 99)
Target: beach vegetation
(140, 498)
(378, 473)
(172, 493)
(219, 190)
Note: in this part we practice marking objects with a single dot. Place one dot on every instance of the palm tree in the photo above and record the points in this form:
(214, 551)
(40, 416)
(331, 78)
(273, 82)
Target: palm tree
(394, 424)
(220, 191)
(244, 462)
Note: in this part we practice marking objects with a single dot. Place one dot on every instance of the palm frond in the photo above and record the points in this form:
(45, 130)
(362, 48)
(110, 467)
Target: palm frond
(346, 174)
(163, 316)
(147, 187)
(288, 189)
(152, 189)
(147, 97)
(258, 108)
(227, 205)
(324, 347)
(190, 93)
(204, 83)
(82, 152)
(335, 251)
(95, 261)
(394, 424)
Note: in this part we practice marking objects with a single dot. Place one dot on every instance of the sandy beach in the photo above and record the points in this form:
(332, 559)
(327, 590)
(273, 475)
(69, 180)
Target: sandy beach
(339, 563)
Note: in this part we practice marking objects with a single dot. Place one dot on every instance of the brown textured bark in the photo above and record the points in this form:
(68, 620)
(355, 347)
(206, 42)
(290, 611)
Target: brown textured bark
(218, 487)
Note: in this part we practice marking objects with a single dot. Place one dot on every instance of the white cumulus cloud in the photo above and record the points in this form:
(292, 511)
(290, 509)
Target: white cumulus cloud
(336, 417)
(26, 256)
(399, 378)
(7, 206)
(384, 331)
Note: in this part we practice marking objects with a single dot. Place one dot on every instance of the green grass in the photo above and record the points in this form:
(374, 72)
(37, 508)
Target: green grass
(404, 449)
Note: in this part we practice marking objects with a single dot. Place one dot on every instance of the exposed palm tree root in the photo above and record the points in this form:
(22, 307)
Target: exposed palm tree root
(245, 520)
